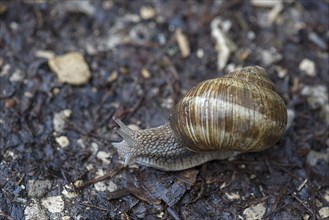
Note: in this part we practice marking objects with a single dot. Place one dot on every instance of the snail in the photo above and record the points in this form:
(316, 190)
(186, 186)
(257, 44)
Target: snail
(216, 119)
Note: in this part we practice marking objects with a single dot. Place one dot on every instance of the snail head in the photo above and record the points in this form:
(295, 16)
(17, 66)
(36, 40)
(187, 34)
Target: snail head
(127, 147)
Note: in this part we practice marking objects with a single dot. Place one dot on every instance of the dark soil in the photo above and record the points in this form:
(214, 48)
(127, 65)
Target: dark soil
(119, 46)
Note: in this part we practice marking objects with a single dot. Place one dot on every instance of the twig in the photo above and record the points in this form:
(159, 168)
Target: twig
(21, 179)
(93, 206)
(71, 126)
(290, 173)
(274, 208)
(173, 213)
(302, 203)
(6, 216)
(202, 188)
(269, 167)
(102, 178)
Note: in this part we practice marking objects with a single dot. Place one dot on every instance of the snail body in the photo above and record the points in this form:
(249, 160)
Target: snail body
(216, 119)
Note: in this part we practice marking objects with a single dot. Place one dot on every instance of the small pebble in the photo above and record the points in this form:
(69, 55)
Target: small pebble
(145, 73)
(33, 211)
(63, 141)
(167, 103)
(147, 12)
(85, 7)
(313, 157)
(160, 215)
(59, 120)
(200, 53)
(306, 217)
(317, 98)
(252, 176)
(69, 192)
(307, 66)
(28, 94)
(233, 196)
(53, 204)
(251, 35)
(317, 40)
(38, 188)
(244, 55)
(5, 70)
(324, 212)
(10, 103)
(270, 56)
(255, 212)
(14, 25)
(56, 91)
(3, 8)
(134, 127)
(282, 72)
(70, 68)
(100, 172)
(113, 76)
(78, 183)
(89, 167)
(67, 113)
(326, 195)
(17, 76)
(103, 156)
(94, 147)
(108, 186)
(318, 203)
(81, 143)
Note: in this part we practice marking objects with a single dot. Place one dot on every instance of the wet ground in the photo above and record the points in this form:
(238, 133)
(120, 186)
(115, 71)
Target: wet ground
(55, 136)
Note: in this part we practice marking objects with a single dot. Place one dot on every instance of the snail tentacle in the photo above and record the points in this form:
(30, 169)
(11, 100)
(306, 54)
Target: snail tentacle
(124, 131)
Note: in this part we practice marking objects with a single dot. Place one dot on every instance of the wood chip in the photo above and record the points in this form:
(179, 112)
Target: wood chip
(224, 46)
(183, 43)
(47, 54)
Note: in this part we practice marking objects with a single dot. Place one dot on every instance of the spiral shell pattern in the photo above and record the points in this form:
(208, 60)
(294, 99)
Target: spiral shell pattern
(240, 111)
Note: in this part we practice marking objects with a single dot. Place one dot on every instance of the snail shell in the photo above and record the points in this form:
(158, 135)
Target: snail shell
(240, 112)
(216, 119)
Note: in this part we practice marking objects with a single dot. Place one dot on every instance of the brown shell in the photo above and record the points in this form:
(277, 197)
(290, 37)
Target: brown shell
(240, 111)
